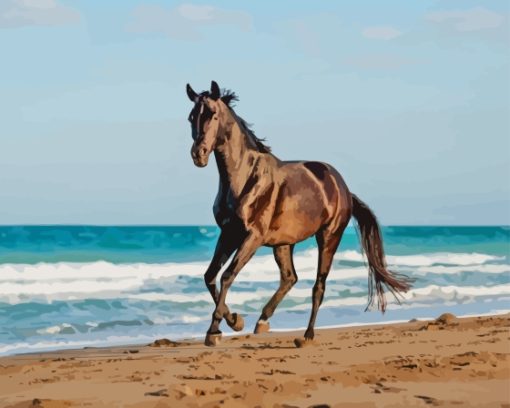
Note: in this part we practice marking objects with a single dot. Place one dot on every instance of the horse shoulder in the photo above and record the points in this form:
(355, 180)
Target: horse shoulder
(256, 203)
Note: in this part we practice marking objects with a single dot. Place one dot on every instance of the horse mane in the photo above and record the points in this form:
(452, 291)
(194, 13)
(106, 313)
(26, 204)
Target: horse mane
(229, 98)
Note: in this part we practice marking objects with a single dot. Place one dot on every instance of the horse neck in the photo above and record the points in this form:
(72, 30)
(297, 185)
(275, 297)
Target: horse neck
(235, 156)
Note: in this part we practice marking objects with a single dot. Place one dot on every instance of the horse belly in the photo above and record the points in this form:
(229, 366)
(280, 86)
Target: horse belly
(297, 227)
(299, 213)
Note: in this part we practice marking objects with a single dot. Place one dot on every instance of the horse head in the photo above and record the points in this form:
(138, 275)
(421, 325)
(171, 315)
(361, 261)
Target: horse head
(205, 123)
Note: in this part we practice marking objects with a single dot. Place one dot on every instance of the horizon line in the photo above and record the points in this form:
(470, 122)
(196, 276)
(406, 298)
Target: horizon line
(215, 226)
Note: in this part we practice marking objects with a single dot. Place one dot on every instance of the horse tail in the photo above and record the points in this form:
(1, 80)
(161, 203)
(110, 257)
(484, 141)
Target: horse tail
(371, 242)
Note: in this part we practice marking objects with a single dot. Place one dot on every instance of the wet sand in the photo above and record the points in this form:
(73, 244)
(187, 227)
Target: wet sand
(448, 362)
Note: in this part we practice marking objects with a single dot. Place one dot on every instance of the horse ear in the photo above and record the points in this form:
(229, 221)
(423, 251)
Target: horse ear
(215, 91)
(192, 95)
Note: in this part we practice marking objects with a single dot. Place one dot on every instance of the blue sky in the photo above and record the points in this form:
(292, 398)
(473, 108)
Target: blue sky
(408, 100)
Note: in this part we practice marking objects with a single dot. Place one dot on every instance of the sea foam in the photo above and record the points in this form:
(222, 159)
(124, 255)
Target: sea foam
(46, 282)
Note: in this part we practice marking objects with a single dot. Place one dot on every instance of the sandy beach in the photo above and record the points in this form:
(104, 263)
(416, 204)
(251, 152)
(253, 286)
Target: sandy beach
(444, 362)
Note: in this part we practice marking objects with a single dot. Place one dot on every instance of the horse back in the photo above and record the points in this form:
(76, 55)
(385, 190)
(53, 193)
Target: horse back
(311, 195)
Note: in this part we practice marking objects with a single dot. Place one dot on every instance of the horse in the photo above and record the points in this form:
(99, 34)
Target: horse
(264, 201)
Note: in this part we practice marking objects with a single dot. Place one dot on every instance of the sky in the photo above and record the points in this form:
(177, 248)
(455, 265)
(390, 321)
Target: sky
(409, 100)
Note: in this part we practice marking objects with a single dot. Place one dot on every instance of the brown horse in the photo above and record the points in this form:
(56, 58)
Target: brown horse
(263, 200)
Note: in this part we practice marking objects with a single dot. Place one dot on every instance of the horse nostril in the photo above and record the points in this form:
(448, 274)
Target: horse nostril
(203, 151)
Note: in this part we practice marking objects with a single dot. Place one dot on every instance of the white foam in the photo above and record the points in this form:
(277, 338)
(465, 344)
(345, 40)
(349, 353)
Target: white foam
(339, 302)
(235, 298)
(49, 330)
(260, 268)
(186, 319)
(447, 258)
(423, 296)
(449, 292)
(441, 269)
(25, 347)
(103, 280)
(55, 329)
(100, 270)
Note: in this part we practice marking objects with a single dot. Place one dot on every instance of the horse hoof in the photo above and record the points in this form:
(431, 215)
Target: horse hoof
(261, 327)
(300, 343)
(212, 340)
(237, 322)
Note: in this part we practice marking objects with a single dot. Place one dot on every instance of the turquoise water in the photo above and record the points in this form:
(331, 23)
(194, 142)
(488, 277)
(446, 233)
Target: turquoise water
(72, 286)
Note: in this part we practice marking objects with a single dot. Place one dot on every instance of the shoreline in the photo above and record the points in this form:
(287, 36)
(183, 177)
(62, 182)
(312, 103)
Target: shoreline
(229, 333)
(443, 362)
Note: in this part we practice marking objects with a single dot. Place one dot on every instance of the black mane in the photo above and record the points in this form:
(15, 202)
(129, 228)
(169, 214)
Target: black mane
(229, 98)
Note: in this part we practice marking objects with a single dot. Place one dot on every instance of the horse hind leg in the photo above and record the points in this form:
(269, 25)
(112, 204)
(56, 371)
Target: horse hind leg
(328, 243)
(288, 278)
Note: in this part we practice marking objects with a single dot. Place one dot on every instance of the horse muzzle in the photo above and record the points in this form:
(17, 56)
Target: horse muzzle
(200, 156)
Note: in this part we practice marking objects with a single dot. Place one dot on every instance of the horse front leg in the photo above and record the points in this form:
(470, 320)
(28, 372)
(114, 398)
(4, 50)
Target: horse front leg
(226, 245)
(247, 249)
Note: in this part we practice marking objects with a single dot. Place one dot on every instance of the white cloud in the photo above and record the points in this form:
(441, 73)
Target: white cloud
(196, 13)
(183, 22)
(381, 61)
(381, 33)
(474, 19)
(20, 13)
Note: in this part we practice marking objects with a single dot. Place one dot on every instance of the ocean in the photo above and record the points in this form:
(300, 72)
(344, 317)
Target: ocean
(75, 286)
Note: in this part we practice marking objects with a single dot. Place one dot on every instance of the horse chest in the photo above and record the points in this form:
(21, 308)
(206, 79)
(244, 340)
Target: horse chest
(225, 207)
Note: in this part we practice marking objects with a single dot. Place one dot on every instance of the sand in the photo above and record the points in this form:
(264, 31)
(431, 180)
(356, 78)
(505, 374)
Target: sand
(446, 362)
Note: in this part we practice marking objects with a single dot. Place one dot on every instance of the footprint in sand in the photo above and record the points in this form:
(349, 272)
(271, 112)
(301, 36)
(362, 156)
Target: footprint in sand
(428, 400)
(168, 343)
(159, 393)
